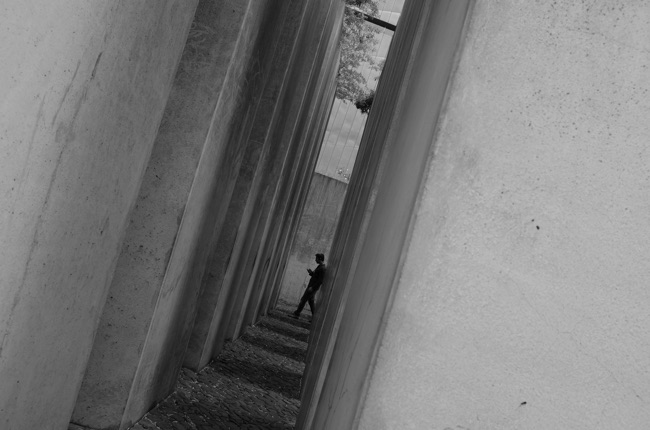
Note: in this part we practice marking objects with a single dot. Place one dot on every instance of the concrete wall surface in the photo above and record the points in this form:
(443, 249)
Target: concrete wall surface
(280, 168)
(292, 195)
(522, 300)
(410, 95)
(193, 169)
(206, 209)
(275, 212)
(299, 194)
(287, 180)
(237, 267)
(82, 88)
(315, 233)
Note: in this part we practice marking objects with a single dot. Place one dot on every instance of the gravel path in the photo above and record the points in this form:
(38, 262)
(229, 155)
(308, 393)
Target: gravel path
(253, 384)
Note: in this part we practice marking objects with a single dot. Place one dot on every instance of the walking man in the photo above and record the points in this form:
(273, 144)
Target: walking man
(315, 282)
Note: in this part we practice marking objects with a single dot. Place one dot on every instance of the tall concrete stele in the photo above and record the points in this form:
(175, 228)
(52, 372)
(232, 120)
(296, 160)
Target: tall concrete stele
(490, 269)
(155, 156)
(320, 215)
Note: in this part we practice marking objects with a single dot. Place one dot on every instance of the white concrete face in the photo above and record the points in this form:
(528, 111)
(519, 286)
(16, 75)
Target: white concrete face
(168, 227)
(523, 302)
(82, 89)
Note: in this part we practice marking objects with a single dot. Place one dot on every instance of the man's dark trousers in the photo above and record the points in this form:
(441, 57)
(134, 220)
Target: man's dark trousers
(307, 297)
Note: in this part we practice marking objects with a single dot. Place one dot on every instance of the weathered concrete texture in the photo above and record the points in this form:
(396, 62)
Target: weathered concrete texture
(206, 340)
(83, 87)
(259, 284)
(212, 300)
(262, 299)
(216, 185)
(315, 233)
(180, 211)
(527, 239)
(294, 205)
(377, 212)
(529, 247)
(296, 120)
(292, 169)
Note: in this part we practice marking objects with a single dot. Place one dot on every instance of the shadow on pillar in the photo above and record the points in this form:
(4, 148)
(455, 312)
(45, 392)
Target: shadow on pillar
(201, 142)
(285, 161)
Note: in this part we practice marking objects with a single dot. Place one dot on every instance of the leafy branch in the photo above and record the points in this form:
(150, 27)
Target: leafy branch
(357, 44)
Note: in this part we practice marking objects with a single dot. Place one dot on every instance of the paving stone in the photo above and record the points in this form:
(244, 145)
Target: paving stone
(253, 384)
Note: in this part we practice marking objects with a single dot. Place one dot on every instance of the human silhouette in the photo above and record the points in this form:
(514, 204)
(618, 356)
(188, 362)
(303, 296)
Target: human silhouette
(315, 283)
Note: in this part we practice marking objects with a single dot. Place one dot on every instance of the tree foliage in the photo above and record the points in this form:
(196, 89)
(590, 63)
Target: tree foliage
(357, 43)
(365, 103)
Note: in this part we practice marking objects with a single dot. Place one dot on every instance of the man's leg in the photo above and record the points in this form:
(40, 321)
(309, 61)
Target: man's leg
(303, 300)
(301, 305)
(312, 304)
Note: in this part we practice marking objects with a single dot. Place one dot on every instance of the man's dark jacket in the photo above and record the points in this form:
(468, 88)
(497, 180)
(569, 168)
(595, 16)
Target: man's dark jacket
(317, 276)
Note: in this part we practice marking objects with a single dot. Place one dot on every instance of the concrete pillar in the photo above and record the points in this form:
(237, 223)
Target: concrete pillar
(213, 297)
(294, 193)
(302, 90)
(298, 187)
(297, 193)
(200, 146)
(83, 86)
(243, 272)
(520, 299)
(206, 338)
(386, 161)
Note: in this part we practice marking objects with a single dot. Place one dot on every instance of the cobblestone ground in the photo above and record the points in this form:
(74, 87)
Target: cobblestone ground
(253, 384)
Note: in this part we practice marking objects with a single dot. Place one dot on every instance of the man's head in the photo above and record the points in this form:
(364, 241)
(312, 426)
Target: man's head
(320, 258)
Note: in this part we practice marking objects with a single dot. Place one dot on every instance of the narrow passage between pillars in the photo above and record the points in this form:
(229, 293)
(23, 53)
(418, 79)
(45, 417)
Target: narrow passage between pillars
(253, 384)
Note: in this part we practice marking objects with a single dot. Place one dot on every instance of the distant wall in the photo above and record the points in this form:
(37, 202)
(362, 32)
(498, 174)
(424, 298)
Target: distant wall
(315, 233)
